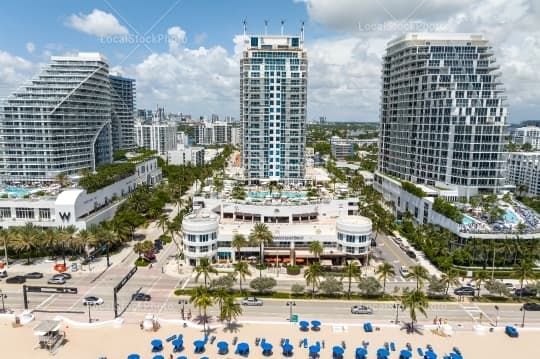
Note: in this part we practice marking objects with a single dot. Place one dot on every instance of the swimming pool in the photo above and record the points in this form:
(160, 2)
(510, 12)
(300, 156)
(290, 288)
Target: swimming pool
(467, 220)
(265, 194)
(16, 192)
(511, 217)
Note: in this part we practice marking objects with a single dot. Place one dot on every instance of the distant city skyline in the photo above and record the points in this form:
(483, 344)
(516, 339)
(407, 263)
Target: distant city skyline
(184, 55)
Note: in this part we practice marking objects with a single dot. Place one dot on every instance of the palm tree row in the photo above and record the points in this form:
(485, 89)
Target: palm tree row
(203, 298)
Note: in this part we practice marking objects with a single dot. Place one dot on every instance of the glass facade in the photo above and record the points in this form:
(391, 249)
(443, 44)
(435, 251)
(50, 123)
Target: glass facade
(123, 111)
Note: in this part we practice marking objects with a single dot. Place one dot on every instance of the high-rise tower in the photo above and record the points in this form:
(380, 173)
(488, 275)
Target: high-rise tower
(59, 122)
(123, 112)
(273, 108)
(443, 115)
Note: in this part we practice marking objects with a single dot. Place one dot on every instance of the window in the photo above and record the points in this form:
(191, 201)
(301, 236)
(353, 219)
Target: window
(191, 238)
(24, 212)
(5, 212)
(350, 238)
(45, 213)
(203, 249)
(203, 238)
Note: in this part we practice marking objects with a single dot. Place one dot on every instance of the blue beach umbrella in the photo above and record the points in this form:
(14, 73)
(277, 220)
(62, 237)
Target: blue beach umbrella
(383, 352)
(304, 324)
(405, 354)
(266, 347)
(430, 355)
(361, 351)
(134, 356)
(338, 350)
(314, 349)
(316, 323)
(159, 356)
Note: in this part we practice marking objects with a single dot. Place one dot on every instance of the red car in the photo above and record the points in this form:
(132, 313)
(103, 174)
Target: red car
(150, 256)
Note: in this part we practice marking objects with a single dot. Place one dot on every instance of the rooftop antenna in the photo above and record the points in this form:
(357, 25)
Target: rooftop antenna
(282, 25)
(266, 27)
(245, 27)
(302, 32)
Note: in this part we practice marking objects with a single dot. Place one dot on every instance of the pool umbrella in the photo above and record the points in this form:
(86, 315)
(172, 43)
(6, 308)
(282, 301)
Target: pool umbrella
(315, 323)
(314, 349)
(159, 356)
(337, 350)
(430, 355)
(382, 353)
(204, 358)
(134, 356)
(157, 345)
(303, 325)
(178, 344)
(361, 352)
(405, 354)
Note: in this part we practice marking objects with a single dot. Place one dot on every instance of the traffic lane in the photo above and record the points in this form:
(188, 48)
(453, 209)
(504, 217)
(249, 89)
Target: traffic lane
(397, 252)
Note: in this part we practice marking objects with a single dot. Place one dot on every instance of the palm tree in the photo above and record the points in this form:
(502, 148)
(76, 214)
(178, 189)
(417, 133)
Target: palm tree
(25, 240)
(261, 235)
(238, 242)
(316, 249)
(205, 268)
(523, 271)
(163, 219)
(230, 309)
(62, 179)
(479, 278)
(312, 275)
(450, 278)
(351, 271)
(219, 296)
(142, 247)
(201, 299)
(385, 271)
(241, 269)
(419, 274)
(415, 300)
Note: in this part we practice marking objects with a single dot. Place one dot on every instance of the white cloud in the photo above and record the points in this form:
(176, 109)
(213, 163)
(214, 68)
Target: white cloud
(30, 47)
(200, 38)
(97, 23)
(14, 70)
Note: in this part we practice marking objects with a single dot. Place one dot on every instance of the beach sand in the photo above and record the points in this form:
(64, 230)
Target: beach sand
(117, 343)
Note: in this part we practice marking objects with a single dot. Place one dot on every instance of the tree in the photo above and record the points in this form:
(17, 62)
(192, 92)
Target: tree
(205, 268)
(142, 247)
(224, 281)
(238, 242)
(369, 286)
(241, 270)
(331, 286)
(351, 271)
(163, 220)
(419, 274)
(24, 239)
(415, 301)
(312, 275)
(297, 288)
(524, 271)
(436, 285)
(261, 235)
(450, 278)
(219, 295)
(218, 184)
(385, 271)
(316, 249)
(263, 284)
(496, 287)
(201, 299)
(479, 278)
(62, 179)
(230, 309)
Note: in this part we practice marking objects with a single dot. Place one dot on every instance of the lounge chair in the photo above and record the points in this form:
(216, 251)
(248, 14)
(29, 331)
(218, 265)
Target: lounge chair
(420, 352)
(392, 346)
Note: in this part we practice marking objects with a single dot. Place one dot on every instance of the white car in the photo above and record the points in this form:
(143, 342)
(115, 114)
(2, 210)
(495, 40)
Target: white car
(91, 300)
(361, 309)
(252, 301)
(57, 280)
(404, 271)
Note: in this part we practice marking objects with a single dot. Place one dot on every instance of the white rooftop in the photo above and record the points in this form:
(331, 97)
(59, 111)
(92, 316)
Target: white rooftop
(437, 36)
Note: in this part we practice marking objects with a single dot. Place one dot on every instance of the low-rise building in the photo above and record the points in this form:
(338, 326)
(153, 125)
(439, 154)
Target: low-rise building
(524, 170)
(184, 154)
(527, 134)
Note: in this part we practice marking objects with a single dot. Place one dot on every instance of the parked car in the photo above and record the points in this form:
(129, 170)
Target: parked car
(57, 280)
(510, 286)
(411, 254)
(3, 273)
(404, 271)
(92, 300)
(34, 275)
(361, 309)
(525, 292)
(252, 301)
(141, 297)
(66, 276)
(149, 256)
(466, 290)
(531, 306)
(16, 279)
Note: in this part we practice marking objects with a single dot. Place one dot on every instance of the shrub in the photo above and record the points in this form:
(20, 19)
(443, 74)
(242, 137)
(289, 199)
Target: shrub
(166, 239)
(140, 262)
(263, 284)
(447, 209)
(297, 288)
(293, 270)
(413, 189)
(5, 195)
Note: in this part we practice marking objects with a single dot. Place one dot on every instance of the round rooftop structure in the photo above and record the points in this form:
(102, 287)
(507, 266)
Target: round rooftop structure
(354, 224)
(200, 222)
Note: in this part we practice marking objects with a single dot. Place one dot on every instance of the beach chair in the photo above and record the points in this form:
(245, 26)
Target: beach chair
(305, 343)
(343, 344)
(171, 338)
(456, 350)
(282, 341)
(409, 347)
(392, 346)
(386, 346)
(323, 344)
(235, 340)
(429, 347)
(420, 352)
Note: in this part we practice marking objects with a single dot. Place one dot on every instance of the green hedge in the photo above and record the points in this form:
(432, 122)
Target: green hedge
(107, 175)
(140, 262)
(413, 189)
(447, 209)
(165, 239)
(293, 270)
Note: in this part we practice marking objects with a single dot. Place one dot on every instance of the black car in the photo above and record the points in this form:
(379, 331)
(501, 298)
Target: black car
(531, 306)
(464, 291)
(525, 292)
(141, 297)
(16, 279)
(33, 275)
(411, 254)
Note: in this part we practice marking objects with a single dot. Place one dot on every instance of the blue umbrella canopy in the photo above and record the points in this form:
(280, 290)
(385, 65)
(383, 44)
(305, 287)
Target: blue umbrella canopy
(156, 342)
(159, 356)
(303, 324)
(316, 323)
(266, 347)
(287, 347)
(204, 358)
(178, 342)
(198, 343)
(338, 350)
(243, 346)
(361, 351)
(222, 345)
(405, 354)
(455, 356)
(314, 349)
(430, 355)
(383, 352)
(133, 356)
(182, 357)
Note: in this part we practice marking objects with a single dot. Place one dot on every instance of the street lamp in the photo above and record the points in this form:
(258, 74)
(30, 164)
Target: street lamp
(290, 304)
(523, 319)
(183, 302)
(397, 307)
(89, 316)
(497, 317)
(2, 295)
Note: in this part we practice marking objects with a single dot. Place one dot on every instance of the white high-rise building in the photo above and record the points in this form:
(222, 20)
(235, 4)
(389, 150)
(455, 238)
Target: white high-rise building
(524, 169)
(443, 115)
(213, 133)
(59, 122)
(158, 135)
(528, 134)
(273, 108)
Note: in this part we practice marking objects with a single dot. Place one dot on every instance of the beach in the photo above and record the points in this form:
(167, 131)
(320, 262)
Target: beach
(118, 343)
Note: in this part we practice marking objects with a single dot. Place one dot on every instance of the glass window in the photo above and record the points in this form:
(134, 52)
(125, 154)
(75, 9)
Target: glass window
(5, 212)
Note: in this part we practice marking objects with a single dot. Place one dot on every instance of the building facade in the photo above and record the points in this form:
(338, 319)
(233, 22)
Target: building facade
(59, 122)
(528, 134)
(123, 95)
(156, 135)
(213, 133)
(273, 108)
(524, 169)
(443, 115)
(185, 154)
(341, 148)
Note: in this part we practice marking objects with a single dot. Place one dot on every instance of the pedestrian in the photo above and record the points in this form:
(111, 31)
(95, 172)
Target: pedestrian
(150, 266)
(171, 356)
(162, 269)
(435, 320)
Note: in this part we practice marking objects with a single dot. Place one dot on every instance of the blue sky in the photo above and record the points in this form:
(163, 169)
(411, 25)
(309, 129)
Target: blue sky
(198, 72)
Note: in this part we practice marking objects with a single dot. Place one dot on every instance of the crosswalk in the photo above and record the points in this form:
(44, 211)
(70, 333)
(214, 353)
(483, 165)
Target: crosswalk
(476, 314)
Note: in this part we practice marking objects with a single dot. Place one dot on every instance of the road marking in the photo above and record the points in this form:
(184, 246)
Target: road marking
(475, 312)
